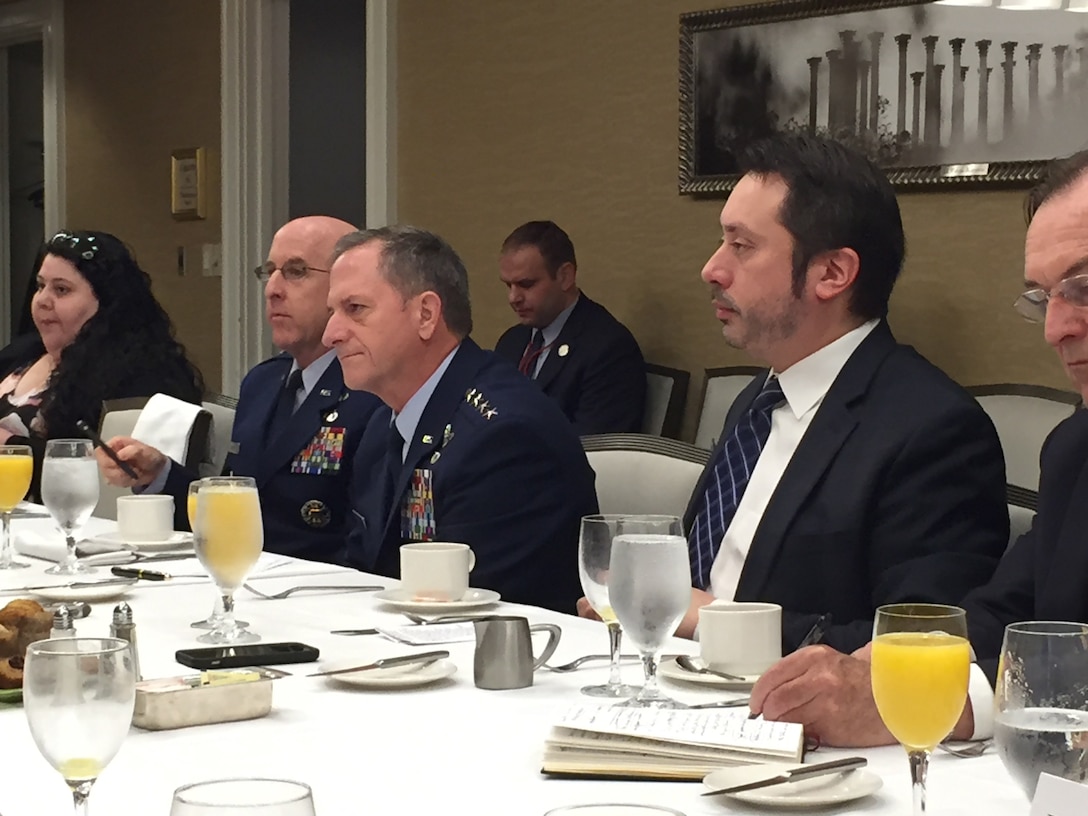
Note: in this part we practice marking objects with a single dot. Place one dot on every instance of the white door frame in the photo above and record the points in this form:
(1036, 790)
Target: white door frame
(21, 22)
(254, 100)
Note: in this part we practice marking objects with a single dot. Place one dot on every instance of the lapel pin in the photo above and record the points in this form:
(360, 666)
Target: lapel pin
(332, 416)
(325, 392)
(564, 350)
(447, 435)
(427, 439)
(435, 456)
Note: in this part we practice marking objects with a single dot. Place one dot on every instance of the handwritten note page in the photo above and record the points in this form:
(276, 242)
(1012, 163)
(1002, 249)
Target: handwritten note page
(431, 633)
(725, 728)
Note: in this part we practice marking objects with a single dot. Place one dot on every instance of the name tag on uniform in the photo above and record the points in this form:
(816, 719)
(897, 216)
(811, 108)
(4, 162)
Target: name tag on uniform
(417, 513)
(322, 456)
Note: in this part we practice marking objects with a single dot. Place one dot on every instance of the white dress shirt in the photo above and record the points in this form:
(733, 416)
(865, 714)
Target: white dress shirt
(804, 384)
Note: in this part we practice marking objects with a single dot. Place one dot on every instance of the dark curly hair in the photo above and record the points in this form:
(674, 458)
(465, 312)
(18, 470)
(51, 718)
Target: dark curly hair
(126, 349)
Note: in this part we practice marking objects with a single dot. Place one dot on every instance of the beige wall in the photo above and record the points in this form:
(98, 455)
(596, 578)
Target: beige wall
(142, 79)
(567, 109)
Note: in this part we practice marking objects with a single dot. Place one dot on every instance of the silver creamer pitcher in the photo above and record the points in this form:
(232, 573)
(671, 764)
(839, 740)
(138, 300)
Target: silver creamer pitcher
(504, 651)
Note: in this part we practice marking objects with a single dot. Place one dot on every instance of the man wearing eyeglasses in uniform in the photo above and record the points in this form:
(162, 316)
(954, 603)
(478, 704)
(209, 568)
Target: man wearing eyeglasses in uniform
(1043, 574)
(297, 425)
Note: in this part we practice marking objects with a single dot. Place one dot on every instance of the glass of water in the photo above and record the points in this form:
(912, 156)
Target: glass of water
(79, 694)
(70, 493)
(257, 797)
(1041, 703)
(649, 585)
(594, 553)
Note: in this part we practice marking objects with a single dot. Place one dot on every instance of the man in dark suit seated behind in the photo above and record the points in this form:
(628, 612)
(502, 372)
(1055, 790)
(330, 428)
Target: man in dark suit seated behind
(854, 473)
(297, 426)
(578, 353)
(472, 451)
(1044, 574)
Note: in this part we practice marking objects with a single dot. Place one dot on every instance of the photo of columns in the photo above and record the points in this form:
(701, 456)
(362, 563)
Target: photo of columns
(911, 86)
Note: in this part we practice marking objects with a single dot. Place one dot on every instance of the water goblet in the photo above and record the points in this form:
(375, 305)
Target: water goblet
(921, 661)
(16, 469)
(1041, 703)
(594, 552)
(649, 585)
(255, 797)
(70, 493)
(229, 537)
(79, 694)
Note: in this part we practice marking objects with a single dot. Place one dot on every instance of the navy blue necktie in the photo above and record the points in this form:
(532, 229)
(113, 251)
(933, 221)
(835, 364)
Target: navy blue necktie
(394, 461)
(732, 469)
(285, 404)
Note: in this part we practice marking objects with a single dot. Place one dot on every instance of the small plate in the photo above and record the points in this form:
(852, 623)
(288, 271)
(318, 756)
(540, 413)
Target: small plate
(176, 541)
(610, 809)
(671, 669)
(11, 696)
(820, 791)
(108, 591)
(473, 599)
(396, 676)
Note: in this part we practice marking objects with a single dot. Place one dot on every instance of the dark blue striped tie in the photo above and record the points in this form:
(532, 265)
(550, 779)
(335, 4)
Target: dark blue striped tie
(729, 477)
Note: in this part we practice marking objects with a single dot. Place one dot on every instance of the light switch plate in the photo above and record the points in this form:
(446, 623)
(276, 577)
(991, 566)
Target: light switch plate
(212, 259)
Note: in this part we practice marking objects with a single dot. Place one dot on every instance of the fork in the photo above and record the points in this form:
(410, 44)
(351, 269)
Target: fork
(279, 596)
(969, 751)
(422, 621)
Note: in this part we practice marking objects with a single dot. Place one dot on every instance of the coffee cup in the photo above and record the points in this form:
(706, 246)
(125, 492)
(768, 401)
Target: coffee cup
(145, 518)
(740, 638)
(435, 570)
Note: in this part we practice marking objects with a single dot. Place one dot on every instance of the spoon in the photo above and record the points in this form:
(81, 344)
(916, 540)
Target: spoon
(687, 664)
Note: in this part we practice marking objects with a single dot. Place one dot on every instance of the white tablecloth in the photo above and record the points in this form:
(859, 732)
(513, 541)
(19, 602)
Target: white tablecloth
(446, 749)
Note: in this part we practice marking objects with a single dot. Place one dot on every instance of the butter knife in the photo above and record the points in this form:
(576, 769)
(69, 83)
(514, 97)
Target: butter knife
(423, 658)
(70, 585)
(805, 772)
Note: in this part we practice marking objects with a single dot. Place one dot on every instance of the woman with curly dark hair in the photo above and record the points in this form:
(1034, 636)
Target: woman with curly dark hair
(101, 336)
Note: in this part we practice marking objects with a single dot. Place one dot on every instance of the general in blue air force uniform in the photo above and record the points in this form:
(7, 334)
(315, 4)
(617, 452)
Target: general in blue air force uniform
(473, 451)
(303, 467)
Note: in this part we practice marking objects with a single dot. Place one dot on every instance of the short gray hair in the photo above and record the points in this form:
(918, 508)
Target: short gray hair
(415, 261)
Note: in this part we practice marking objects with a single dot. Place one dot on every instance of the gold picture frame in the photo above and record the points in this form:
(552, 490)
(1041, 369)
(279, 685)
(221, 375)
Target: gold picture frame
(188, 180)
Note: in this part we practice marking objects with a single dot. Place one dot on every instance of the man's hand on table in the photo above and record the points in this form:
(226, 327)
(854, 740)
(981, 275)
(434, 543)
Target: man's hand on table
(831, 695)
(147, 461)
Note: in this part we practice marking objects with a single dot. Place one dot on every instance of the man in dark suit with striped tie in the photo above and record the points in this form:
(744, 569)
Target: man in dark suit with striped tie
(852, 473)
(297, 425)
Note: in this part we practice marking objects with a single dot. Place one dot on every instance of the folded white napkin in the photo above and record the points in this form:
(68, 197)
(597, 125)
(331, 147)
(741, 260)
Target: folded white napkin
(53, 547)
(166, 423)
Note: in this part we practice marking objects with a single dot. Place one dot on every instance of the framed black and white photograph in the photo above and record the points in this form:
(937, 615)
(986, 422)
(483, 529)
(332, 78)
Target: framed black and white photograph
(976, 93)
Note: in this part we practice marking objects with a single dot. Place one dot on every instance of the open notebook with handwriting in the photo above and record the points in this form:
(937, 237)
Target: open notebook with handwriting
(641, 743)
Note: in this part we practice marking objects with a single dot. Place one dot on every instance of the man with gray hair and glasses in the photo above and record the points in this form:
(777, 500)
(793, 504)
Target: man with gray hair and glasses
(471, 451)
(1044, 573)
(296, 426)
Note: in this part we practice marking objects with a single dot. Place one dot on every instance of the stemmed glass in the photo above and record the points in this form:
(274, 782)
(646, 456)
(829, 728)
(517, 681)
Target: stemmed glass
(229, 537)
(79, 694)
(1041, 704)
(258, 797)
(649, 584)
(594, 553)
(16, 468)
(921, 661)
(216, 615)
(70, 493)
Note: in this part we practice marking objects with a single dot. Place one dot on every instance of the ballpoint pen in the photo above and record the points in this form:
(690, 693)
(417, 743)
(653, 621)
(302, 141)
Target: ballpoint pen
(147, 575)
(816, 633)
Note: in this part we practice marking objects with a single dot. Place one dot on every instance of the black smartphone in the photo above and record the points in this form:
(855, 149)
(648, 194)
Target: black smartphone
(257, 654)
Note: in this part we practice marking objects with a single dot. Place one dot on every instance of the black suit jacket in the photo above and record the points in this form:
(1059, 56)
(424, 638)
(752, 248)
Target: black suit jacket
(600, 383)
(895, 493)
(1044, 575)
(508, 477)
(304, 509)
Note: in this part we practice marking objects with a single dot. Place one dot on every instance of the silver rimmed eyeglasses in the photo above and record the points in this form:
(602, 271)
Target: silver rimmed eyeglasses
(1031, 305)
(293, 270)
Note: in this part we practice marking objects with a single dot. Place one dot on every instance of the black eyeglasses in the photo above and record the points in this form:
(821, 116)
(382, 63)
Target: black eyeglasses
(1031, 305)
(85, 245)
(292, 271)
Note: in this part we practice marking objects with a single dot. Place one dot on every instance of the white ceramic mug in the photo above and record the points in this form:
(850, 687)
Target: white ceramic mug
(740, 638)
(435, 570)
(145, 517)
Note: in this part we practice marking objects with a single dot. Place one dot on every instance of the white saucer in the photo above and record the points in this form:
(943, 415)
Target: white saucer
(106, 592)
(473, 599)
(671, 669)
(395, 676)
(613, 810)
(820, 791)
(176, 541)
